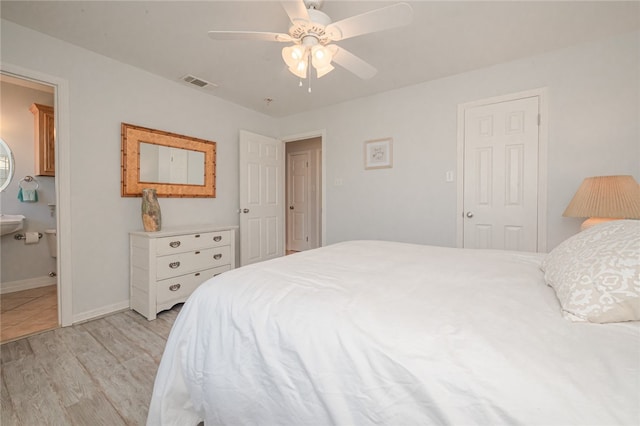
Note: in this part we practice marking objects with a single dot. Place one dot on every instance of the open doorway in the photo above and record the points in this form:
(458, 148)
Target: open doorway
(303, 189)
(28, 282)
(64, 261)
(263, 195)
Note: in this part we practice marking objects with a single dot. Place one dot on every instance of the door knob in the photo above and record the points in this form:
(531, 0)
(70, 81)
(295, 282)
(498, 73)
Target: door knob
(245, 210)
(290, 207)
(469, 215)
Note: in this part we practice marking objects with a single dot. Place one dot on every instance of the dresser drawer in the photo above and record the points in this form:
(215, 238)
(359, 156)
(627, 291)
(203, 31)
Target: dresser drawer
(178, 289)
(188, 242)
(183, 263)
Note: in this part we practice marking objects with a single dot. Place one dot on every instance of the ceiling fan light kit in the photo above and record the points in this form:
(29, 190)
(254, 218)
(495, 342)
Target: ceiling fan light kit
(312, 31)
(297, 57)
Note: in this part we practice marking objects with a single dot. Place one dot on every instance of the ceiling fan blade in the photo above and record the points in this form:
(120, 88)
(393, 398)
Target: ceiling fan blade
(249, 35)
(381, 19)
(296, 10)
(352, 63)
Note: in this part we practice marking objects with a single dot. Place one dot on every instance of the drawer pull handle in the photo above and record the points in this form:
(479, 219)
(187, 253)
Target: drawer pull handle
(174, 265)
(174, 287)
(197, 252)
(197, 274)
(217, 256)
(217, 238)
(174, 244)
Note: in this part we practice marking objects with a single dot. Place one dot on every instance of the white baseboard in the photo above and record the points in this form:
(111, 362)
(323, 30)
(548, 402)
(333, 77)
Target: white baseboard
(96, 313)
(19, 285)
(28, 284)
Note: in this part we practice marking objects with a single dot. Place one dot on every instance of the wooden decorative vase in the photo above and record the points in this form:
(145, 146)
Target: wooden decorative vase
(151, 216)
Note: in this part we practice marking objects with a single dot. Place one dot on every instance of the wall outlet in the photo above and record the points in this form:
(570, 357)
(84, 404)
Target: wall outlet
(449, 176)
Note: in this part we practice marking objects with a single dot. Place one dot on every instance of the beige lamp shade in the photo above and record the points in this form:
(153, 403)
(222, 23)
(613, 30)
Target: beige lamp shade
(604, 198)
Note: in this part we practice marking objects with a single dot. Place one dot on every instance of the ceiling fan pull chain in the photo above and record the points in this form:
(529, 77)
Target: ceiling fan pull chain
(309, 69)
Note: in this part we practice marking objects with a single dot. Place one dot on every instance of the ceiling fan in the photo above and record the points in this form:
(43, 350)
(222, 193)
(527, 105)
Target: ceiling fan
(311, 34)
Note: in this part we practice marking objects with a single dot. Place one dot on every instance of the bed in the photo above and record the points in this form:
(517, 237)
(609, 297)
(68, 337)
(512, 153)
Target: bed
(388, 333)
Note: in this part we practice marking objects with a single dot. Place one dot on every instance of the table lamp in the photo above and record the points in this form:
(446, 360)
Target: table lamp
(604, 198)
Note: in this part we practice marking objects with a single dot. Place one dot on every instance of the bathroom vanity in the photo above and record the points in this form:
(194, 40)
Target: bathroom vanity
(167, 266)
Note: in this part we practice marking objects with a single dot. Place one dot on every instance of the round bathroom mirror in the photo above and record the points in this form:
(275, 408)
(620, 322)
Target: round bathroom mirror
(7, 165)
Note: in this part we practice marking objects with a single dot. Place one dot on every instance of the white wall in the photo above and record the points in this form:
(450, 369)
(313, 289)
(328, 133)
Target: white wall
(102, 94)
(593, 130)
(22, 265)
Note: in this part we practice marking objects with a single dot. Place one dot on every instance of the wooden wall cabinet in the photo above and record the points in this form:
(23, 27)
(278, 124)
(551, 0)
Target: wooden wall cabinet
(45, 142)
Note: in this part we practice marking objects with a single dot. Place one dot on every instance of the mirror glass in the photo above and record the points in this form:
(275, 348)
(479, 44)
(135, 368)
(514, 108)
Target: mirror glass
(7, 165)
(163, 164)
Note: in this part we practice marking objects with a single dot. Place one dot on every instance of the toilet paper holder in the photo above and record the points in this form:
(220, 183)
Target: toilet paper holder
(22, 236)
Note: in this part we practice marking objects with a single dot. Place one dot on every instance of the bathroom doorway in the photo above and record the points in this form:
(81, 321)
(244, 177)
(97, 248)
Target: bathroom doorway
(28, 279)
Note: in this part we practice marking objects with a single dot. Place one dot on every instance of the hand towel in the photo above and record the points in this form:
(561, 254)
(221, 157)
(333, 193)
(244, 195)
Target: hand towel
(27, 195)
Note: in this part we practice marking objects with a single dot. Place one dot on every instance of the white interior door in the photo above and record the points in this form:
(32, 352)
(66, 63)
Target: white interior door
(298, 200)
(261, 198)
(501, 175)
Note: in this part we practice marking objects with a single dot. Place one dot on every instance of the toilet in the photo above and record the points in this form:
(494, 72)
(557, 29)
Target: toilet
(52, 241)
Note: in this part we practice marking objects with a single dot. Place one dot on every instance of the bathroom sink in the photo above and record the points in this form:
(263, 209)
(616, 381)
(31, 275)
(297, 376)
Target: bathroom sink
(10, 223)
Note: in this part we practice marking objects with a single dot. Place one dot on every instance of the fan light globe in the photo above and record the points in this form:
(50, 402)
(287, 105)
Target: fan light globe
(292, 55)
(297, 52)
(295, 71)
(297, 66)
(321, 57)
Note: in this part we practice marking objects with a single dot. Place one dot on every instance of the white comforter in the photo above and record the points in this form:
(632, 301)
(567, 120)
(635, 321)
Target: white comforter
(371, 332)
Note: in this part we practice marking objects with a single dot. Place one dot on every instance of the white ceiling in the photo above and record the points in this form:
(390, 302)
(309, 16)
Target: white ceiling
(169, 38)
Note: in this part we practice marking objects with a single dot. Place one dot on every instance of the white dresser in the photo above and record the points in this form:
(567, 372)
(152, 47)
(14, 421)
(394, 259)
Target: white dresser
(167, 266)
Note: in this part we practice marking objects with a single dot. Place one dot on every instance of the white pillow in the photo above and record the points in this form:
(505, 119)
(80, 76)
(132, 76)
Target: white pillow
(596, 273)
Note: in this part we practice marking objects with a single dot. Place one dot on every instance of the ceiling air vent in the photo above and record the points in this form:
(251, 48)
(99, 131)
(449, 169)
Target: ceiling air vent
(198, 82)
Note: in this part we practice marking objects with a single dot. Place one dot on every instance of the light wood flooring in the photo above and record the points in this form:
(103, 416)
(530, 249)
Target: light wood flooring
(27, 312)
(100, 372)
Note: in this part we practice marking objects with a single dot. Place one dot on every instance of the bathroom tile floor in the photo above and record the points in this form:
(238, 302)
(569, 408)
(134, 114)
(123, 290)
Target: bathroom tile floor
(27, 312)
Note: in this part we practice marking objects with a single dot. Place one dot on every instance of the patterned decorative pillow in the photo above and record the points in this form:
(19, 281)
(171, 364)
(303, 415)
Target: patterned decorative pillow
(596, 273)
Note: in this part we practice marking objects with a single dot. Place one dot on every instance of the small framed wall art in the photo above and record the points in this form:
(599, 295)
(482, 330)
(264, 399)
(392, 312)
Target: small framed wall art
(378, 154)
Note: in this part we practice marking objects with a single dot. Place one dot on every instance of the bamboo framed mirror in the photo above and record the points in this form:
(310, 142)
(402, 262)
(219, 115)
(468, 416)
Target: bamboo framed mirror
(174, 165)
